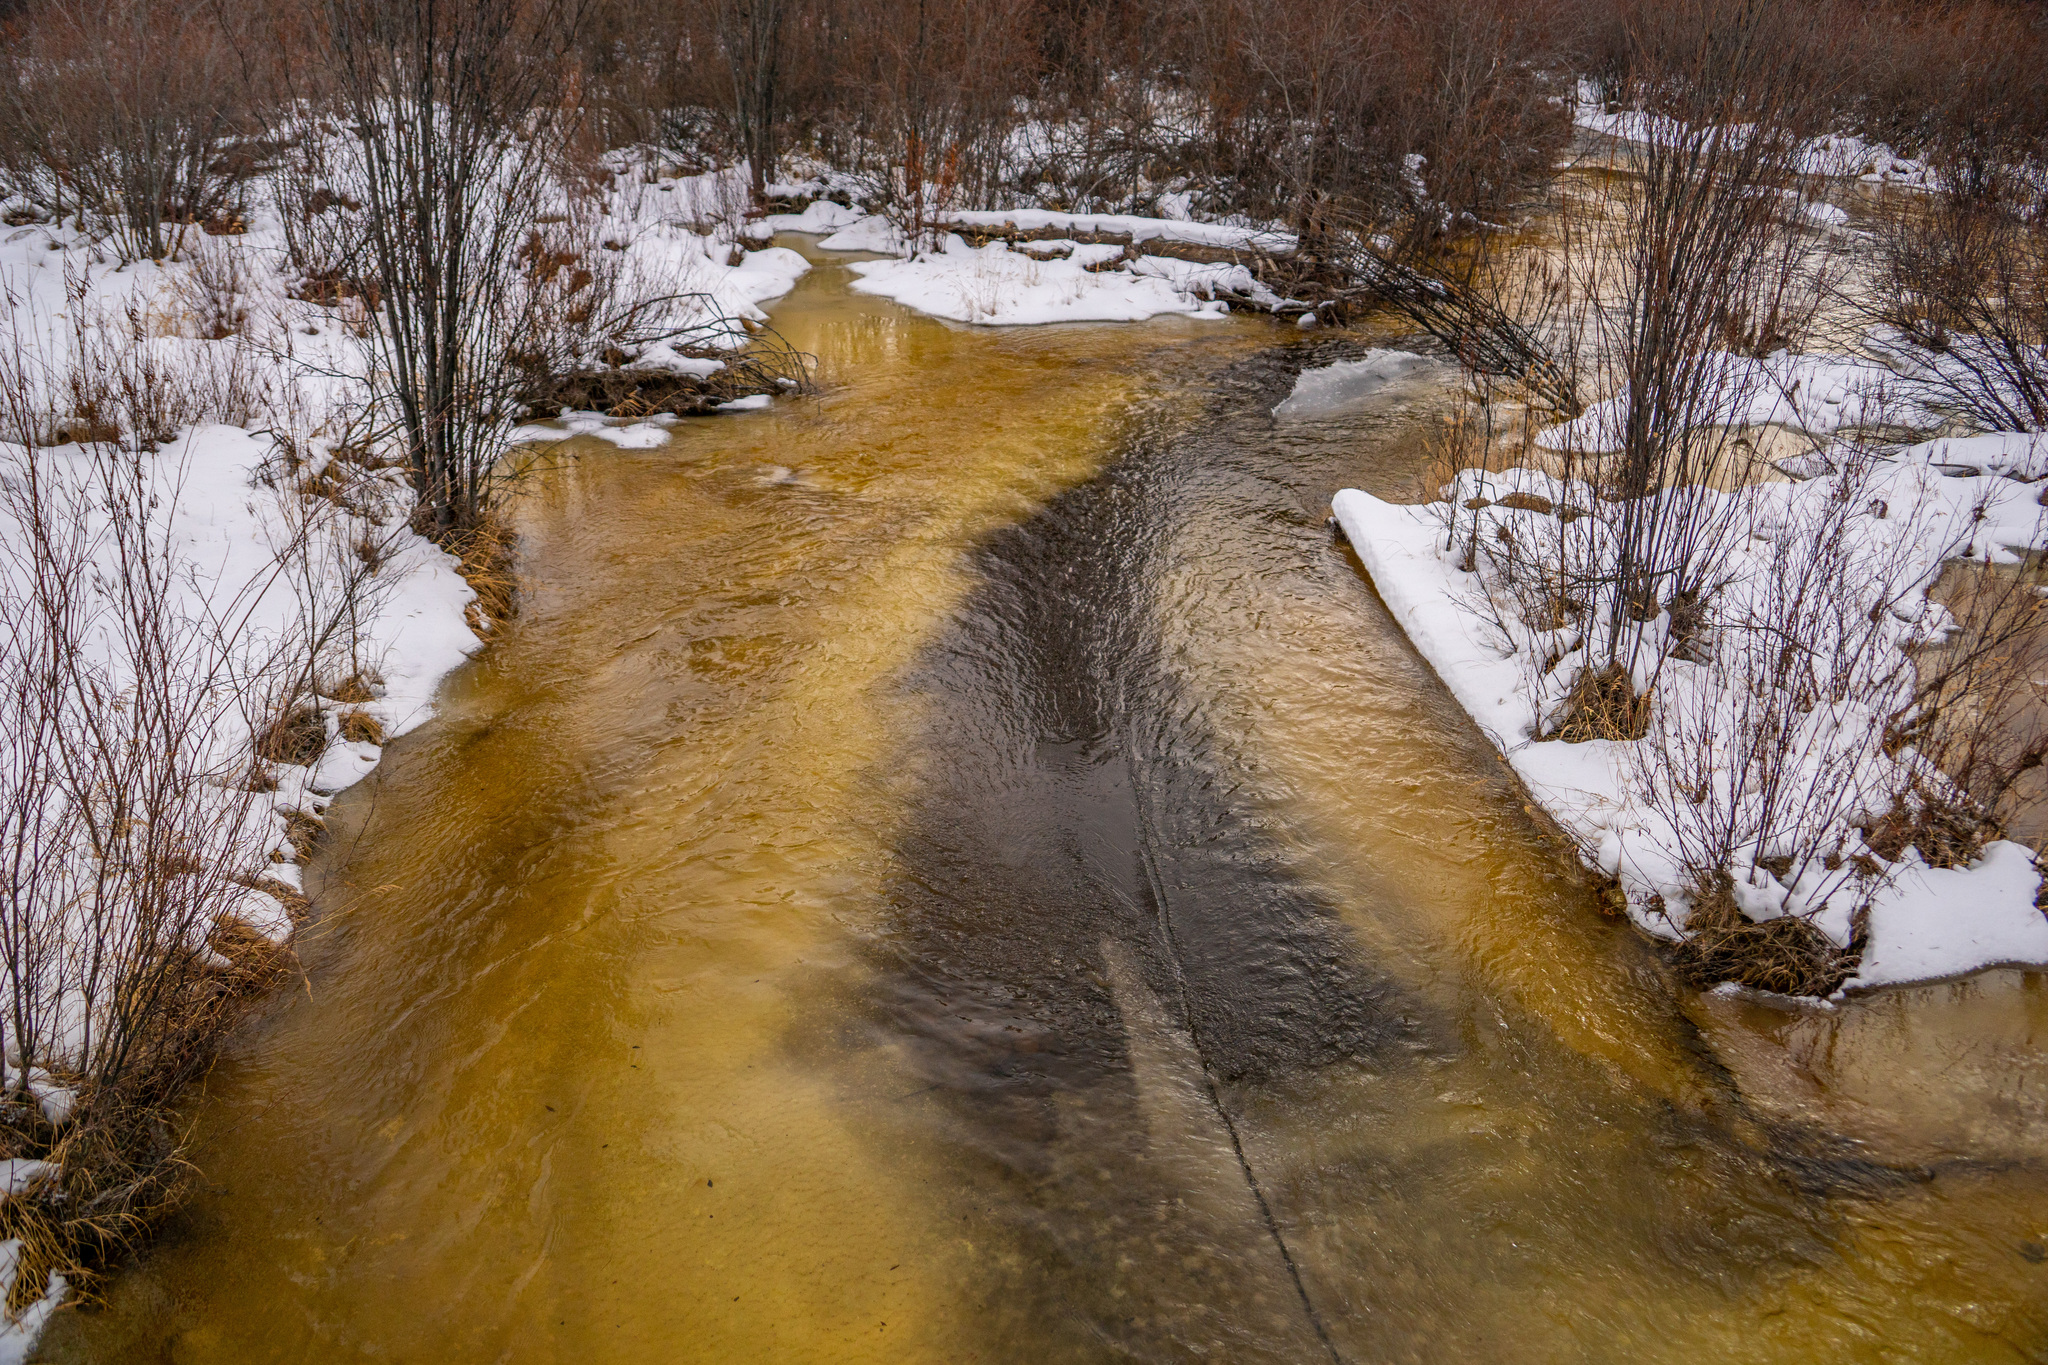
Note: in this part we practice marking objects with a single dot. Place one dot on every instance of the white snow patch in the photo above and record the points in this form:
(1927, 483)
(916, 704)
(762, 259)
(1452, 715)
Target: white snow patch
(1938, 922)
(18, 1335)
(1819, 394)
(995, 285)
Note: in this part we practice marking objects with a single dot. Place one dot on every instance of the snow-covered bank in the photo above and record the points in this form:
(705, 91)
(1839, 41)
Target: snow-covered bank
(1905, 519)
(999, 285)
(1836, 156)
(207, 538)
(1044, 266)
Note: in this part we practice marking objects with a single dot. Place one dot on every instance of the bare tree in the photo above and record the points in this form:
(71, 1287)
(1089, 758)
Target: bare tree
(754, 35)
(118, 111)
(454, 121)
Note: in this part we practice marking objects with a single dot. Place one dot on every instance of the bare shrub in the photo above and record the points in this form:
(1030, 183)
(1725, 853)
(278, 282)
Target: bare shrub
(1687, 266)
(1960, 298)
(117, 375)
(1962, 83)
(134, 929)
(215, 288)
(1819, 734)
(122, 829)
(116, 111)
(932, 89)
(454, 124)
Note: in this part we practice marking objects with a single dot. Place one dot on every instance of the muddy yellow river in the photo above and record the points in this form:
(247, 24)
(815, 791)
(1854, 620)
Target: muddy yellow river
(962, 868)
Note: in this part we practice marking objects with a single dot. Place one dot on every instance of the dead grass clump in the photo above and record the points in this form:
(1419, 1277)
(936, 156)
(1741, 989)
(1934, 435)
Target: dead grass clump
(372, 551)
(364, 457)
(357, 687)
(1529, 502)
(304, 831)
(121, 1157)
(1786, 954)
(1944, 833)
(486, 555)
(298, 736)
(1603, 704)
(360, 727)
(1689, 618)
(84, 430)
(341, 484)
(122, 1175)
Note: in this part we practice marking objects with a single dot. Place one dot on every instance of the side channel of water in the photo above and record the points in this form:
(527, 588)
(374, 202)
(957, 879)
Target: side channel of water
(963, 868)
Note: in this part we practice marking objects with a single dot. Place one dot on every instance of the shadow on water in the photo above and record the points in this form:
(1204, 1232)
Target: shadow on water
(1076, 875)
(1160, 1047)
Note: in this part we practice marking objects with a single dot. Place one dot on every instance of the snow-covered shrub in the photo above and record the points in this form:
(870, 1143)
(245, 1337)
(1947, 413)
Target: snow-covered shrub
(1808, 728)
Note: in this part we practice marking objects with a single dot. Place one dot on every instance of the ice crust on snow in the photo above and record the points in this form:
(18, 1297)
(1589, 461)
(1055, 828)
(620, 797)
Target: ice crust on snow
(1334, 389)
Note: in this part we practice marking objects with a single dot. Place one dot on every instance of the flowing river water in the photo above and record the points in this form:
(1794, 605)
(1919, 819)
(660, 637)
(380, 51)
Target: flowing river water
(963, 868)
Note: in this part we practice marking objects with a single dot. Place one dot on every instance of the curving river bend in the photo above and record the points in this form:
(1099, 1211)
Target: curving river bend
(964, 869)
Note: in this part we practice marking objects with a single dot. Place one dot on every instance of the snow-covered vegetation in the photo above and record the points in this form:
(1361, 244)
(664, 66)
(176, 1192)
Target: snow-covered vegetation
(1735, 555)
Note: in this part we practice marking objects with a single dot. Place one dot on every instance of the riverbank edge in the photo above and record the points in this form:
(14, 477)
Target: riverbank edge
(1395, 547)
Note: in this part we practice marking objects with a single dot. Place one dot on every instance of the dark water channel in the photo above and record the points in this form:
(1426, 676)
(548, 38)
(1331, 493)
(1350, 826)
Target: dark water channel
(964, 868)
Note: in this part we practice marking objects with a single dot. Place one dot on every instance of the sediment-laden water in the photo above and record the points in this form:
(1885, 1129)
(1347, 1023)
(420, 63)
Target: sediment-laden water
(963, 868)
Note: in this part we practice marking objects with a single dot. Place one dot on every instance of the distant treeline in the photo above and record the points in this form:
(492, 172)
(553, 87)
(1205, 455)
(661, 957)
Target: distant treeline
(1418, 117)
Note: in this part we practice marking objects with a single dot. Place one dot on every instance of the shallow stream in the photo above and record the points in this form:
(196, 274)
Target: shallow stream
(963, 868)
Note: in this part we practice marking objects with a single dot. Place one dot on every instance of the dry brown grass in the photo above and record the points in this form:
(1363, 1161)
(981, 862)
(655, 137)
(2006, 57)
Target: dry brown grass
(357, 687)
(1945, 834)
(305, 832)
(121, 1160)
(359, 727)
(298, 736)
(1786, 955)
(486, 556)
(1603, 704)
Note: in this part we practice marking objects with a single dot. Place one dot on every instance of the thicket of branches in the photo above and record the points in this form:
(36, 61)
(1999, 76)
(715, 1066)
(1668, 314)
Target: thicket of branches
(143, 715)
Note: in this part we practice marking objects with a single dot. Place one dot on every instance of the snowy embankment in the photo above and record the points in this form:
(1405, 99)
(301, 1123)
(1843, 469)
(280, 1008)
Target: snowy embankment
(1837, 156)
(234, 542)
(686, 240)
(295, 369)
(1043, 266)
(1905, 517)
